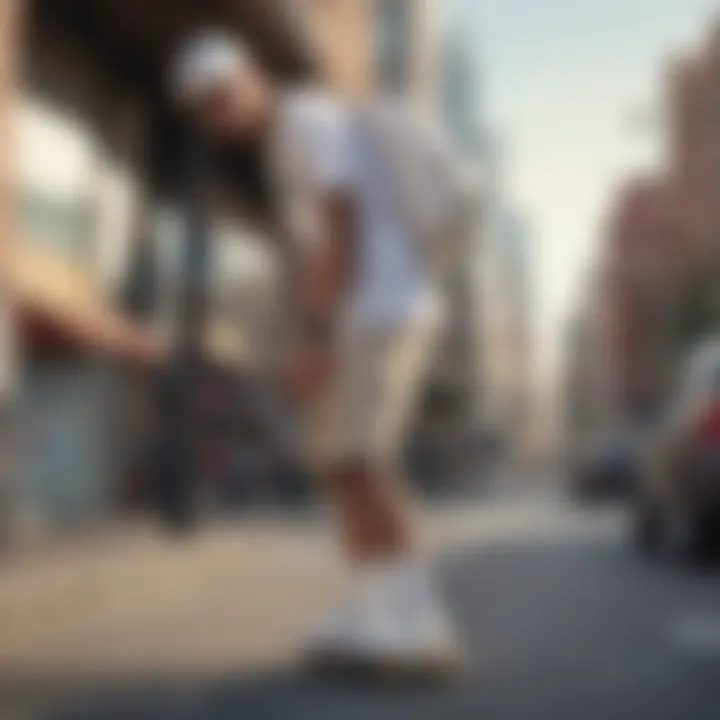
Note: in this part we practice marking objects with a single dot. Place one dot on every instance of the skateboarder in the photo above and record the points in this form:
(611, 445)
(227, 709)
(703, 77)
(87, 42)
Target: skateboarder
(366, 315)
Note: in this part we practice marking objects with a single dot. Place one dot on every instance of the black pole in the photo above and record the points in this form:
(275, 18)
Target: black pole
(179, 473)
(196, 258)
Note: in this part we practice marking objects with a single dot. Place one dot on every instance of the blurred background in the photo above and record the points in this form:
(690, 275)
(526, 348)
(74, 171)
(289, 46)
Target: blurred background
(573, 413)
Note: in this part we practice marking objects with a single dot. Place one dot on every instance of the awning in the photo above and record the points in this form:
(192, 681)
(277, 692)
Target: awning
(63, 295)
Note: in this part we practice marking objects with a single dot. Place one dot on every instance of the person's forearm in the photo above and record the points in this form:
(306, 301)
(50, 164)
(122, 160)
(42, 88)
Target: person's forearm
(319, 282)
(324, 276)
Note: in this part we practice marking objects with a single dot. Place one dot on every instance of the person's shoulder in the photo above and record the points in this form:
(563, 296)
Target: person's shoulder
(312, 109)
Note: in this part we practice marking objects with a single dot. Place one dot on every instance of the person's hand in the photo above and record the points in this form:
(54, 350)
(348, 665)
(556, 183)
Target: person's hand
(306, 371)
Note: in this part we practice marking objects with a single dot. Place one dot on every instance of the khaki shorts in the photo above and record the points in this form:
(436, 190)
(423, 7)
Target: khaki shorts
(366, 407)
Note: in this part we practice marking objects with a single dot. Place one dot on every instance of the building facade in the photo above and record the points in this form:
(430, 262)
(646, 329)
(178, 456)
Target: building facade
(506, 323)
(84, 205)
(368, 45)
(662, 243)
(497, 284)
(694, 143)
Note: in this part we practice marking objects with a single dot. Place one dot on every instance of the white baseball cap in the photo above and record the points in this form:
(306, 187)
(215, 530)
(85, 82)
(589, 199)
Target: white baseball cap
(206, 61)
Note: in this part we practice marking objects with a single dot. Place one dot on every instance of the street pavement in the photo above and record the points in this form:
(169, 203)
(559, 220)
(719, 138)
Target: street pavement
(561, 619)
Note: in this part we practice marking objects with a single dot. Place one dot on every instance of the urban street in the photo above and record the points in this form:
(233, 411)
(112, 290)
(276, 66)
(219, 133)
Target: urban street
(267, 264)
(561, 618)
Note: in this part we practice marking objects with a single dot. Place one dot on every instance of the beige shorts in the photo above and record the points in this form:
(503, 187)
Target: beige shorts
(366, 407)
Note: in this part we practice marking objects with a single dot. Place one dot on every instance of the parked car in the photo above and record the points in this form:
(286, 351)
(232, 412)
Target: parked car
(677, 502)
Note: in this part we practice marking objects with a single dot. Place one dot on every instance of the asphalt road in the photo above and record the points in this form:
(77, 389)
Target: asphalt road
(560, 625)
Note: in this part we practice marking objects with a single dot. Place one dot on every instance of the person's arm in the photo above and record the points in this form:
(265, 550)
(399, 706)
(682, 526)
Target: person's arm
(320, 277)
(324, 272)
(321, 165)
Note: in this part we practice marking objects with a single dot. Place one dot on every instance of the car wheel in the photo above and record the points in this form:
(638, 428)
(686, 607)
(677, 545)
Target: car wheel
(688, 535)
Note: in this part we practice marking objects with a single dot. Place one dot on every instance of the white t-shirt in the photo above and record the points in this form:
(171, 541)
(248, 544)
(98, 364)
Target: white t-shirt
(317, 149)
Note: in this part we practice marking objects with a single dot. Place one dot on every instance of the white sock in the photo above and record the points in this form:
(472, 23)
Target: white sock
(383, 581)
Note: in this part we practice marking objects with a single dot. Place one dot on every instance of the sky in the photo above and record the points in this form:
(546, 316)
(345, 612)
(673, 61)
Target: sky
(567, 84)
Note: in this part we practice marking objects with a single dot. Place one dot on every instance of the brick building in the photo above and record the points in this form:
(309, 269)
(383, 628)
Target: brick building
(663, 235)
(694, 141)
(660, 257)
(641, 276)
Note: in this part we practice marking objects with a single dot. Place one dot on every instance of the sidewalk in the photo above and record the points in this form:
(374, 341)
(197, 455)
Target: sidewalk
(133, 582)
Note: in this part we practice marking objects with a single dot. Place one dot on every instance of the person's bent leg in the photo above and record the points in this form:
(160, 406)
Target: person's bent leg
(392, 616)
(375, 515)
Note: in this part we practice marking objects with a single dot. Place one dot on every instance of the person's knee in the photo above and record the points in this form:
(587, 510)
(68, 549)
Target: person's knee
(351, 469)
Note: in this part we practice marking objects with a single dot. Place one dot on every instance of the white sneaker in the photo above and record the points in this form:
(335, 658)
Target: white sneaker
(391, 623)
